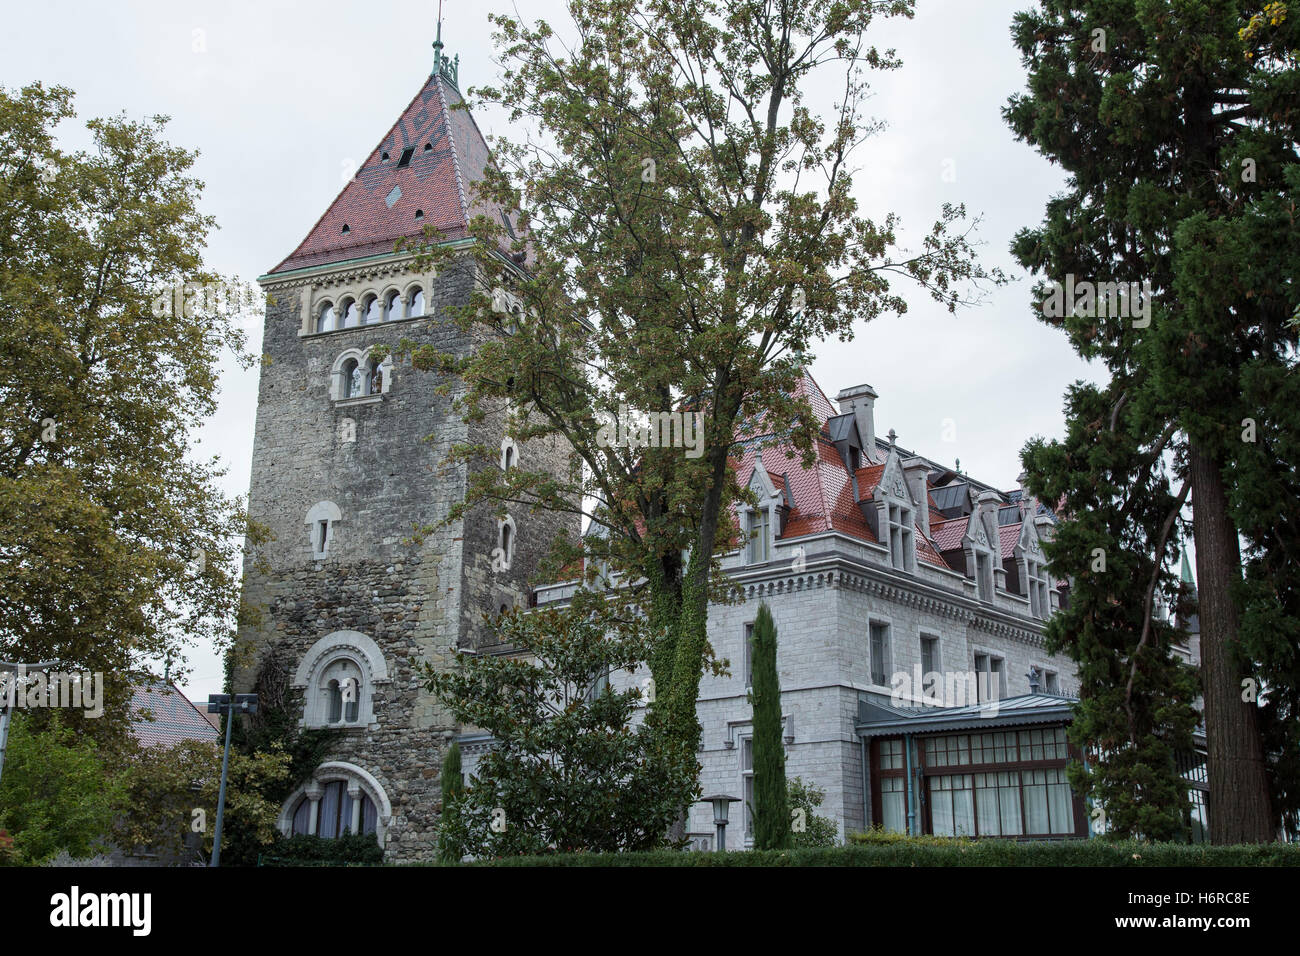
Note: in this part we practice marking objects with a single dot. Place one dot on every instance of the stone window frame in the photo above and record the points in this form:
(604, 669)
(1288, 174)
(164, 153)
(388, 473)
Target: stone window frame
(1003, 690)
(925, 634)
(763, 515)
(329, 513)
(888, 650)
(507, 543)
(358, 781)
(338, 383)
(363, 653)
(509, 454)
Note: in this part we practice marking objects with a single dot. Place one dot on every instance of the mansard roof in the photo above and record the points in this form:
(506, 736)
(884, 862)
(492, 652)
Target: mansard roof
(447, 156)
(821, 498)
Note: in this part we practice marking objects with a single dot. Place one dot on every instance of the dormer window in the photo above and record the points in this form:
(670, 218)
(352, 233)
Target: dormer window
(759, 531)
(902, 546)
(1036, 589)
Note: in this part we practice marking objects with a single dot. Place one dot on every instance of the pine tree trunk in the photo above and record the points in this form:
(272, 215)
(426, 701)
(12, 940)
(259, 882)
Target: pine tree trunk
(1239, 808)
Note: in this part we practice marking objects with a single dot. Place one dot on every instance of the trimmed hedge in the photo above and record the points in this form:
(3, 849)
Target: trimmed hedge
(938, 851)
(350, 849)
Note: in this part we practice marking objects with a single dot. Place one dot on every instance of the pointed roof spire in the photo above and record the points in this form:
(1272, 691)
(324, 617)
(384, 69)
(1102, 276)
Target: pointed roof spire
(1185, 574)
(447, 69)
(437, 42)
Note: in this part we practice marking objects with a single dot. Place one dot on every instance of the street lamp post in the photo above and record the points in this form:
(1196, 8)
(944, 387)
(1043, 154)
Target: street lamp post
(221, 704)
(721, 805)
(4, 708)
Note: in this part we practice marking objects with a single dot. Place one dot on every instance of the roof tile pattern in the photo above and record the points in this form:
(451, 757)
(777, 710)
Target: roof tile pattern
(448, 155)
(162, 716)
(822, 495)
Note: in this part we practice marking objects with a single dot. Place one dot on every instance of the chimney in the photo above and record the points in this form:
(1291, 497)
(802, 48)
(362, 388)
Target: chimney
(915, 471)
(860, 400)
(1046, 527)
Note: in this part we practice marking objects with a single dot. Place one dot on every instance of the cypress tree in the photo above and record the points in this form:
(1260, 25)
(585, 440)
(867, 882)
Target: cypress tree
(452, 791)
(1177, 122)
(771, 800)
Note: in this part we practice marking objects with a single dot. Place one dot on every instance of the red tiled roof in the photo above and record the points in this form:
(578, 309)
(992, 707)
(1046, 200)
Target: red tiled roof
(869, 479)
(437, 182)
(162, 716)
(821, 497)
(948, 534)
(1010, 536)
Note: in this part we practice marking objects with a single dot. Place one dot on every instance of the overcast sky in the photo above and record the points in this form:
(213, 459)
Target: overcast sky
(281, 98)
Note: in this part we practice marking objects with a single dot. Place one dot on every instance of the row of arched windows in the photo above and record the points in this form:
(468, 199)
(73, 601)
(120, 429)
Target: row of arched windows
(372, 310)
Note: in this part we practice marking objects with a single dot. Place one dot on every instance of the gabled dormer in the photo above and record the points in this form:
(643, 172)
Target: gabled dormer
(843, 430)
(982, 545)
(765, 521)
(1031, 569)
(891, 513)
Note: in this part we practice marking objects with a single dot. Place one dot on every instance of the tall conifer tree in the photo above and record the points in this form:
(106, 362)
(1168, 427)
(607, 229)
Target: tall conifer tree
(452, 789)
(1177, 122)
(771, 797)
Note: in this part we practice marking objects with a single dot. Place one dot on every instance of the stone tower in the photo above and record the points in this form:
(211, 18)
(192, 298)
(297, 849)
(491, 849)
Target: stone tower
(349, 458)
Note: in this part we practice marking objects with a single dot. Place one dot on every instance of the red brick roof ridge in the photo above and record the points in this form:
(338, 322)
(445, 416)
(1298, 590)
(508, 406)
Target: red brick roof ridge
(455, 152)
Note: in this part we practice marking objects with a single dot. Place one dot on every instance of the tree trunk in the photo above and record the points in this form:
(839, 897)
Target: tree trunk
(1239, 808)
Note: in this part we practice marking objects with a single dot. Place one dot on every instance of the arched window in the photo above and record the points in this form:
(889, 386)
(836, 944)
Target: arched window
(335, 697)
(339, 676)
(417, 302)
(509, 454)
(504, 552)
(351, 314)
(343, 690)
(393, 309)
(353, 379)
(374, 311)
(325, 318)
(340, 808)
(375, 377)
